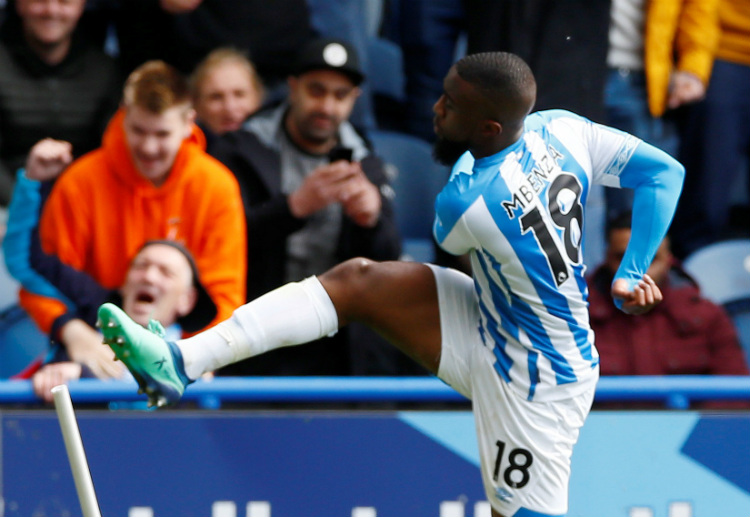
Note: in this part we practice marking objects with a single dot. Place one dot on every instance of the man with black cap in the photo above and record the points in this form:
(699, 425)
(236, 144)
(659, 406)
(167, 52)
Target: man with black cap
(314, 195)
(162, 284)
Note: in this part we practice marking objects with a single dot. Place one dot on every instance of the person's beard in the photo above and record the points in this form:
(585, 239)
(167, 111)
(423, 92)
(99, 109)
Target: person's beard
(448, 152)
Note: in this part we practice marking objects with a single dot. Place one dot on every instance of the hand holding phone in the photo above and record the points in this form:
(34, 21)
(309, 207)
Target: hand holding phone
(340, 153)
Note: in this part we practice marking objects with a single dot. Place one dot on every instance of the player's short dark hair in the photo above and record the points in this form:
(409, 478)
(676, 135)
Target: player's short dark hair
(502, 77)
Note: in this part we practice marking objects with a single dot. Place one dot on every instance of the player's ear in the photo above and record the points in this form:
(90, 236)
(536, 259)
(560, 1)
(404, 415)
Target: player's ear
(490, 128)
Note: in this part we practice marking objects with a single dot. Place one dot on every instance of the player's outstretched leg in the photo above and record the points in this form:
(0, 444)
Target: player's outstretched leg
(155, 363)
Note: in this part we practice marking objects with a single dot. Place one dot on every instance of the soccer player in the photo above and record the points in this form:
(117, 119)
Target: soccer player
(516, 339)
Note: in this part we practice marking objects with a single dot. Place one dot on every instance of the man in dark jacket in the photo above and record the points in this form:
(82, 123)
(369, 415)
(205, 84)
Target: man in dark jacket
(564, 42)
(314, 196)
(686, 334)
(183, 32)
(53, 83)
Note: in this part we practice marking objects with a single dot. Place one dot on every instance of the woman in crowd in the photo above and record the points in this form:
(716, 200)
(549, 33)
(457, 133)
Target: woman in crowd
(226, 89)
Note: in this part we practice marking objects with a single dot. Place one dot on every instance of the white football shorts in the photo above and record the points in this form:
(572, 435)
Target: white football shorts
(525, 447)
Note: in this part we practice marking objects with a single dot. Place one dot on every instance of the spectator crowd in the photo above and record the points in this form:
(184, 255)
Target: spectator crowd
(183, 157)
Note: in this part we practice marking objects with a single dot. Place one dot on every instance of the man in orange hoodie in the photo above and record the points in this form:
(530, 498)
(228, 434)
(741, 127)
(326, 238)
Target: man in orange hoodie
(151, 179)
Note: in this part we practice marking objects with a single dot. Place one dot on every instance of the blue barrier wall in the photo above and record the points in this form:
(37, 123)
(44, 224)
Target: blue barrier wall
(324, 463)
(675, 391)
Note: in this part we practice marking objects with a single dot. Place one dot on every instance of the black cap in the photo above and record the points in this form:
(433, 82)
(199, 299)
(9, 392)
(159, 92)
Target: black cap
(329, 54)
(204, 310)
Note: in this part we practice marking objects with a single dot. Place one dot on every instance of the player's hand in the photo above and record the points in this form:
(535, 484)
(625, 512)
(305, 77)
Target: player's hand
(684, 89)
(84, 345)
(321, 188)
(361, 199)
(644, 296)
(48, 158)
(52, 375)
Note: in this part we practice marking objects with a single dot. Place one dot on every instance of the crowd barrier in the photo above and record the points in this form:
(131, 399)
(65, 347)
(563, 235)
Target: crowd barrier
(315, 459)
(676, 392)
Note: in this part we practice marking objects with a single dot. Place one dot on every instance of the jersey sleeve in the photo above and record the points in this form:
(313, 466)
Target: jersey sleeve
(451, 234)
(618, 159)
(656, 179)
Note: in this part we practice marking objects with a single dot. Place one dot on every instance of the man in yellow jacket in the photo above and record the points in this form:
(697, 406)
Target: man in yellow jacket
(660, 58)
(716, 143)
(151, 179)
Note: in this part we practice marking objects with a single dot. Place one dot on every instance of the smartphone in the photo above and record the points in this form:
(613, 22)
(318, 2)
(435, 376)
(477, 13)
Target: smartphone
(340, 153)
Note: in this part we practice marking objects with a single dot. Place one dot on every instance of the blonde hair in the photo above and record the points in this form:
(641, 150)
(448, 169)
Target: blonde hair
(156, 86)
(221, 56)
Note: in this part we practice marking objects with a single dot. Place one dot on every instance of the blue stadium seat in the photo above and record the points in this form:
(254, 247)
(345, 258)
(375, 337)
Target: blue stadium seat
(722, 271)
(594, 238)
(417, 179)
(385, 72)
(386, 82)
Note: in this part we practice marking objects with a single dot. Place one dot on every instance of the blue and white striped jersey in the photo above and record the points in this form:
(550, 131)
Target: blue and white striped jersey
(520, 214)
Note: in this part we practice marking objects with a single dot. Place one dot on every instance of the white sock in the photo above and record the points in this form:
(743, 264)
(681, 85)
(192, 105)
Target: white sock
(293, 314)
